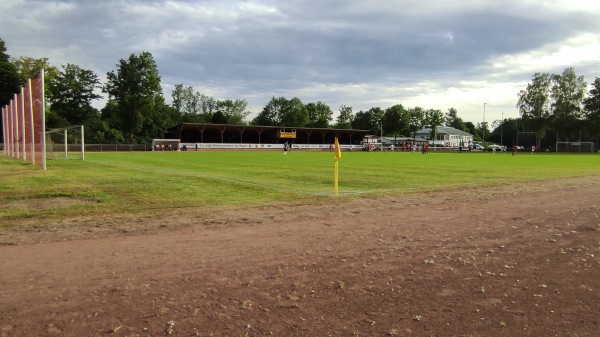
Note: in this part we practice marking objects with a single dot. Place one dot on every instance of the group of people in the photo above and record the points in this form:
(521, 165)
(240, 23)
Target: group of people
(163, 147)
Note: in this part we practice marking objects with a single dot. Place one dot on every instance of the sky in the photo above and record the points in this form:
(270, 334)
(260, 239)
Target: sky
(474, 56)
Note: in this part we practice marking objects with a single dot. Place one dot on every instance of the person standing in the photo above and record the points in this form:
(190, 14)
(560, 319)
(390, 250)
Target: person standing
(285, 148)
(514, 150)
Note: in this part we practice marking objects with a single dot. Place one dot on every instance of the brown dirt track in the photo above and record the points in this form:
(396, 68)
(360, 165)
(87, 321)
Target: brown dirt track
(511, 260)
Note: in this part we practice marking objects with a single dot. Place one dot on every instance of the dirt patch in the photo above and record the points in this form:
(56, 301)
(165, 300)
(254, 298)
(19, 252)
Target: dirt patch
(43, 203)
(511, 260)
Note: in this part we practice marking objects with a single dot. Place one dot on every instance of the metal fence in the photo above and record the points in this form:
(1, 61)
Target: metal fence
(100, 147)
(116, 147)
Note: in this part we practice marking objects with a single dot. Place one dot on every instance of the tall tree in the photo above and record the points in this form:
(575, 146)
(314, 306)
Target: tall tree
(592, 111)
(71, 93)
(452, 120)
(9, 78)
(178, 96)
(28, 67)
(9, 81)
(271, 113)
(434, 118)
(344, 119)
(135, 93)
(369, 120)
(294, 113)
(472, 129)
(568, 92)
(534, 102)
(208, 106)
(417, 120)
(396, 120)
(319, 115)
(233, 110)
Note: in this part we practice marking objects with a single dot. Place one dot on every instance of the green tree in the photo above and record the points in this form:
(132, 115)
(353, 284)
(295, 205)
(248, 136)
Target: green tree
(344, 119)
(271, 113)
(71, 93)
(452, 120)
(434, 118)
(319, 115)
(294, 113)
(417, 120)
(219, 118)
(282, 112)
(592, 111)
(534, 102)
(208, 106)
(233, 110)
(568, 92)
(472, 129)
(396, 120)
(369, 120)
(29, 67)
(9, 78)
(9, 81)
(137, 106)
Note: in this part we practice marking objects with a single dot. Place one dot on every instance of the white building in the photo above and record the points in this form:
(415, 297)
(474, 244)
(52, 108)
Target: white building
(446, 136)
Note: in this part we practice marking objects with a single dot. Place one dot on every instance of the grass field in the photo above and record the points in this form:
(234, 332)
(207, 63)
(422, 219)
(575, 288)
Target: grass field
(138, 181)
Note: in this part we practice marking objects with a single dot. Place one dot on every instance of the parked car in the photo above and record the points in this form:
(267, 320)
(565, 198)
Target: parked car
(496, 147)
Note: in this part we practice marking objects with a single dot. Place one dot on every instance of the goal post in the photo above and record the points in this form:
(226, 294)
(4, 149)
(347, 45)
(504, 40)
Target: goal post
(165, 144)
(65, 143)
(576, 147)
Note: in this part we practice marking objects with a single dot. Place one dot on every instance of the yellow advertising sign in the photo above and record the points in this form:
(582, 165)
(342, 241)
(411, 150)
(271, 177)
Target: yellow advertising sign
(287, 134)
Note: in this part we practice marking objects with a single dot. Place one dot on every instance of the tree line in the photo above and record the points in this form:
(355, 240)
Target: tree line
(136, 111)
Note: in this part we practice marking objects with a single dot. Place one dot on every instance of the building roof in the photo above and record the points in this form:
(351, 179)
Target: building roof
(229, 133)
(448, 130)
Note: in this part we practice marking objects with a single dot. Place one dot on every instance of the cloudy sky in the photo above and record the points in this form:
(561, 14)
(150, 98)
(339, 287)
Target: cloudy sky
(369, 53)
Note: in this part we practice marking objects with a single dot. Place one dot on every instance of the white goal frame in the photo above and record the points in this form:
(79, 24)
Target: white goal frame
(162, 144)
(575, 147)
(65, 147)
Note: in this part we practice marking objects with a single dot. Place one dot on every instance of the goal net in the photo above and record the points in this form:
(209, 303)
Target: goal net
(165, 144)
(65, 143)
(575, 147)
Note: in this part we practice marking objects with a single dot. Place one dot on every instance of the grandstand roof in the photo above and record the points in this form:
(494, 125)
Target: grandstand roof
(226, 133)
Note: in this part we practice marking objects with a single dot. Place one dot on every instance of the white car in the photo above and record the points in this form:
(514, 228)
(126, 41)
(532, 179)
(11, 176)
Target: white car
(496, 147)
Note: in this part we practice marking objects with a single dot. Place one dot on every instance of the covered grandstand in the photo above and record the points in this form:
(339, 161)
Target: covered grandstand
(243, 134)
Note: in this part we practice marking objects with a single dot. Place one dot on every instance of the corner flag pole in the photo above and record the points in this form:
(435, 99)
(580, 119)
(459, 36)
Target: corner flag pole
(338, 155)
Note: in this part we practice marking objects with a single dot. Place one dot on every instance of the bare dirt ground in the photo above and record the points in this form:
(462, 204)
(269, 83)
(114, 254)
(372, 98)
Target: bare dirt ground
(511, 260)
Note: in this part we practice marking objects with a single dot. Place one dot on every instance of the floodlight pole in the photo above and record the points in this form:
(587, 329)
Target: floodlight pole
(381, 121)
(502, 130)
(82, 144)
(66, 144)
(483, 126)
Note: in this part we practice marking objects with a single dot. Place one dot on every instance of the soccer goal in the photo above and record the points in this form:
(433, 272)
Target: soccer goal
(576, 147)
(165, 144)
(65, 143)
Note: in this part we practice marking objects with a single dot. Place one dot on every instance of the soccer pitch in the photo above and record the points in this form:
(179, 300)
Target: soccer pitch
(141, 181)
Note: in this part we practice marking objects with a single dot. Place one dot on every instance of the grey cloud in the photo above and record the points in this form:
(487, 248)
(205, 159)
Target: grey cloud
(265, 48)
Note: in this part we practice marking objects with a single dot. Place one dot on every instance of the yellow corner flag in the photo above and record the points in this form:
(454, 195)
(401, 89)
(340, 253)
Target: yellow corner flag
(338, 155)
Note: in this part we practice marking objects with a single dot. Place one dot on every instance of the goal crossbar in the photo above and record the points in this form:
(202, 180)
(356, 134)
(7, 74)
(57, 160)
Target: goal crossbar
(65, 144)
(575, 147)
